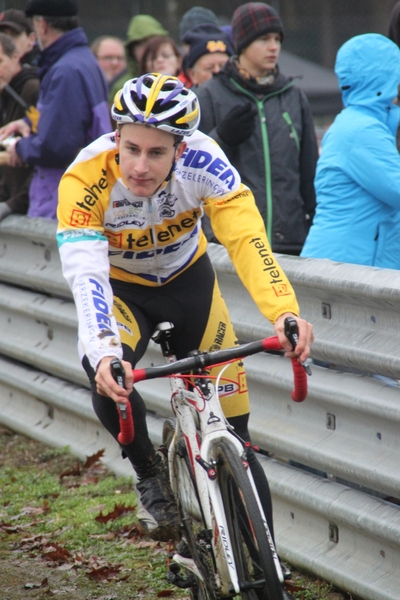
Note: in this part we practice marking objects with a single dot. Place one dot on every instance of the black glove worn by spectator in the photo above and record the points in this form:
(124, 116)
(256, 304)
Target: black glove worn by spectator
(238, 125)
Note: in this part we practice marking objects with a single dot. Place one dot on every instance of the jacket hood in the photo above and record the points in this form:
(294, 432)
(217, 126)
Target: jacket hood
(143, 26)
(368, 70)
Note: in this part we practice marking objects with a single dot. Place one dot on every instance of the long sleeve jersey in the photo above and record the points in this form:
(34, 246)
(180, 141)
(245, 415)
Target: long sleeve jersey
(106, 231)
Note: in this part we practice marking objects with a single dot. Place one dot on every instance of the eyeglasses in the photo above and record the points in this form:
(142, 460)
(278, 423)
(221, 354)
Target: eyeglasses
(111, 58)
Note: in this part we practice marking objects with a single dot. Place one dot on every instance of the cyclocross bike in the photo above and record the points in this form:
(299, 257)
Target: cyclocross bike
(226, 550)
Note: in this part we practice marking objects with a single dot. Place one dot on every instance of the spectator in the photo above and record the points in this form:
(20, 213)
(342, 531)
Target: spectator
(14, 183)
(140, 31)
(358, 173)
(110, 54)
(209, 50)
(394, 24)
(161, 55)
(195, 16)
(263, 122)
(72, 103)
(14, 23)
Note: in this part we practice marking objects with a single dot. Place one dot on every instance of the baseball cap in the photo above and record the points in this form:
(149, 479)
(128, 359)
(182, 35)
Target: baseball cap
(16, 20)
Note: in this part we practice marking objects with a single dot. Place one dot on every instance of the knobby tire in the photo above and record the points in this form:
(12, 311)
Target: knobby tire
(250, 546)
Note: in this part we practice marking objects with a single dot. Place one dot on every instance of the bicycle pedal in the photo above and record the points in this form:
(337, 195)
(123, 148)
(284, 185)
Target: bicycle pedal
(174, 577)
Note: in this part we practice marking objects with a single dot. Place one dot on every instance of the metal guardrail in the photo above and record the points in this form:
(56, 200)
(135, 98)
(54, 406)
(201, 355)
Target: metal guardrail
(347, 427)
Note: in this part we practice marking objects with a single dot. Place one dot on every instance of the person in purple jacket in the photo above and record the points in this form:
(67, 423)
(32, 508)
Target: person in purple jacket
(72, 103)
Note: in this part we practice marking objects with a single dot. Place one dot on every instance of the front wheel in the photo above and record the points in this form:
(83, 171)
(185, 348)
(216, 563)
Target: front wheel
(196, 544)
(258, 579)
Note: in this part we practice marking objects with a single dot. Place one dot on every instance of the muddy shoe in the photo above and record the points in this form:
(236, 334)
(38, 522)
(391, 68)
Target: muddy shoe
(157, 511)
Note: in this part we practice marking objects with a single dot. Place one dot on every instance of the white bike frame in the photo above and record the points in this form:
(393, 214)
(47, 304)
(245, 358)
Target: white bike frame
(214, 428)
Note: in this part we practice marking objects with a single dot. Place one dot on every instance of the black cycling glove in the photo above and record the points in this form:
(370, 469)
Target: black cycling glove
(238, 125)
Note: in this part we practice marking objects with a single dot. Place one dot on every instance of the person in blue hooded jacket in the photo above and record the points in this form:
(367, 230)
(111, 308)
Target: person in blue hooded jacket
(72, 103)
(357, 181)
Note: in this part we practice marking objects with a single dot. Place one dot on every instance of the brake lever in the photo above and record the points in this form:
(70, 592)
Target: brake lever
(118, 372)
(291, 331)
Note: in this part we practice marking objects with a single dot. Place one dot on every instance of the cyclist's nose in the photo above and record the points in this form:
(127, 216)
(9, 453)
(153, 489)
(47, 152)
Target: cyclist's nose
(141, 164)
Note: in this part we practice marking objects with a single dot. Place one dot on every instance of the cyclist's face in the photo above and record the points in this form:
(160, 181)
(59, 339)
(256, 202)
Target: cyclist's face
(146, 156)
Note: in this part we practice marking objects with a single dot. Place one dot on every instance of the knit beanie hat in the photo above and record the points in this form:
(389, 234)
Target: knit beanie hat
(52, 8)
(253, 20)
(206, 39)
(197, 15)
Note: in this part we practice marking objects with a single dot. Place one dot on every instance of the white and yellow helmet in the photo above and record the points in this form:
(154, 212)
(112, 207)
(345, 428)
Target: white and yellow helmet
(160, 101)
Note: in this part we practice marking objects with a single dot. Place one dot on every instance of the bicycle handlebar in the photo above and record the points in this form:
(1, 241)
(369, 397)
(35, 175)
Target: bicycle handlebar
(127, 432)
(208, 359)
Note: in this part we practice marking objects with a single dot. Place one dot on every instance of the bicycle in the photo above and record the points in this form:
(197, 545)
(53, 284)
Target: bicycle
(226, 550)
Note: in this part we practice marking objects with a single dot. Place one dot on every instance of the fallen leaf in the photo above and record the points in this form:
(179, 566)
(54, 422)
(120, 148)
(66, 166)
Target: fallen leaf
(119, 511)
(92, 460)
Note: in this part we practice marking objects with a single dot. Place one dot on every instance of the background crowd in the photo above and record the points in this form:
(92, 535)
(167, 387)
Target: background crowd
(340, 201)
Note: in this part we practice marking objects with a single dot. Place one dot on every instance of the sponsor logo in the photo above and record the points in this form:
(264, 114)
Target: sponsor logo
(165, 203)
(200, 159)
(165, 235)
(125, 223)
(219, 338)
(79, 218)
(271, 267)
(143, 254)
(101, 306)
(124, 327)
(71, 234)
(226, 546)
(114, 239)
(94, 192)
(122, 310)
(236, 197)
(125, 202)
(216, 46)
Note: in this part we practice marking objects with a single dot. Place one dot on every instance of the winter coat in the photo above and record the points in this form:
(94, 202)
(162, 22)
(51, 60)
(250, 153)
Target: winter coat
(358, 173)
(278, 161)
(14, 184)
(73, 112)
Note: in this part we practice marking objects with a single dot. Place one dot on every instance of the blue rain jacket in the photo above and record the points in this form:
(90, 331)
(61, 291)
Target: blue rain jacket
(358, 173)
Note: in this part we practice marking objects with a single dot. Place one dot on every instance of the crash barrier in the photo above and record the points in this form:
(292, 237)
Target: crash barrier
(332, 461)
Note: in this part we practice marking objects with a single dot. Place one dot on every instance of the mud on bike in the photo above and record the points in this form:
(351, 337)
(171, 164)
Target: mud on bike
(226, 549)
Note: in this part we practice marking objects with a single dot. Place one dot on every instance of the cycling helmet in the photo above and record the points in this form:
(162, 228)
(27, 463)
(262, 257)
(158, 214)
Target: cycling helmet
(160, 101)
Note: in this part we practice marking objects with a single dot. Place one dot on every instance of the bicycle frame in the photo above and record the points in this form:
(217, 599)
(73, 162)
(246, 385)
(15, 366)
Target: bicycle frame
(214, 428)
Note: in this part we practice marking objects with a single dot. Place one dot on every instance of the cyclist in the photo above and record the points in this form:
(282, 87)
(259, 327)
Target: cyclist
(133, 253)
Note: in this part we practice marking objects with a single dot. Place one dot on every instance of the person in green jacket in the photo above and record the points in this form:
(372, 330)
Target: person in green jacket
(140, 30)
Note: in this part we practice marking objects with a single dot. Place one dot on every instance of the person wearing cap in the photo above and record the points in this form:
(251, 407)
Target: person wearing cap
(16, 24)
(141, 30)
(209, 50)
(23, 80)
(264, 124)
(72, 103)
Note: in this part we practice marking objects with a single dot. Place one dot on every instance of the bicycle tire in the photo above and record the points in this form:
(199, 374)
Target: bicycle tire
(192, 521)
(250, 546)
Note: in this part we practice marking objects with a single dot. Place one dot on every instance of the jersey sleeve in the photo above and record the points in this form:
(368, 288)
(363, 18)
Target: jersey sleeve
(83, 251)
(238, 225)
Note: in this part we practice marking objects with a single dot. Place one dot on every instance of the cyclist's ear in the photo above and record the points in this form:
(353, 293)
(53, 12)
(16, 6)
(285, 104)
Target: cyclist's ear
(180, 149)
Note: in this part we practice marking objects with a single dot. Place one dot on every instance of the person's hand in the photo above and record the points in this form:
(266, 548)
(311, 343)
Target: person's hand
(106, 384)
(14, 160)
(238, 125)
(306, 337)
(20, 126)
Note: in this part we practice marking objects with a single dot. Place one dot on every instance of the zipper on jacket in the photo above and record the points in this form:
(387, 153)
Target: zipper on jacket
(267, 161)
(289, 122)
(153, 233)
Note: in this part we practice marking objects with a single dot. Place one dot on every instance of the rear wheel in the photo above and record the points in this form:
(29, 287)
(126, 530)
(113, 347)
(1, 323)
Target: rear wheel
(197, 543)
(257, 575)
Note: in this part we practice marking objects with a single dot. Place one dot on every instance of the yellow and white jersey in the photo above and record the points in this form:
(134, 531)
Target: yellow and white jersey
(104, 230)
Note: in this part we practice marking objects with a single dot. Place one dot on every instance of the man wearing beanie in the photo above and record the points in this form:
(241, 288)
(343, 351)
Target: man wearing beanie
(72, 103)
(209, 50)
(264, 124)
